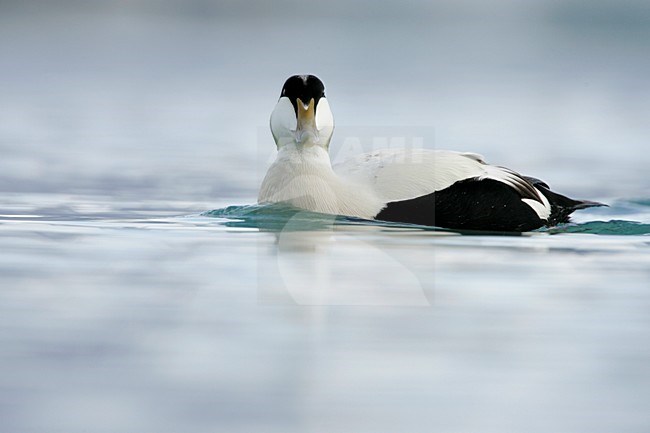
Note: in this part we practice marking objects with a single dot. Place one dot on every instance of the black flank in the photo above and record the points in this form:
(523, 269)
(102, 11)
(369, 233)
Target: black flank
(469, 204)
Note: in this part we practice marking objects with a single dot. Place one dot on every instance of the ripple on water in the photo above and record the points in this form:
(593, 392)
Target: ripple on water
(277, 217)
(612, 227)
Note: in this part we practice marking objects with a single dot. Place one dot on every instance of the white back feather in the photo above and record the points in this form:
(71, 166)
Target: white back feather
(402, 174)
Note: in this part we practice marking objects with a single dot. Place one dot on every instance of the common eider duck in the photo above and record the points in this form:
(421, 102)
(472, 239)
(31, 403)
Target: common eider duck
(453, 190)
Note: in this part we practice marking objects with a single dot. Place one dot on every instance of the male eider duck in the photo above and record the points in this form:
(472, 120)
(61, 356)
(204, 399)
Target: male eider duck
(440, 188)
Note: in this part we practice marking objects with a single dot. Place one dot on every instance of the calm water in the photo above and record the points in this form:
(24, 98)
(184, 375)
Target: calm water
(142, 290)
(151, 316)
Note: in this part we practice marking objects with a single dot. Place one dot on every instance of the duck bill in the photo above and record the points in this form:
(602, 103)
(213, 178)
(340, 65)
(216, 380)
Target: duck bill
(306, 127)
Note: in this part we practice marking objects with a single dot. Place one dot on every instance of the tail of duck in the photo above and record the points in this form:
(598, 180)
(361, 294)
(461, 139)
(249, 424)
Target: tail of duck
(561, 206)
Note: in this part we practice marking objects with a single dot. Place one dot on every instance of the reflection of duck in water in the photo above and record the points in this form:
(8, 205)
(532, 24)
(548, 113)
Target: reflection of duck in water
(428, 187)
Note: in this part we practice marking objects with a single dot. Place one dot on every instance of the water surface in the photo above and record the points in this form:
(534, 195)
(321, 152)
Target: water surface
(250, 318)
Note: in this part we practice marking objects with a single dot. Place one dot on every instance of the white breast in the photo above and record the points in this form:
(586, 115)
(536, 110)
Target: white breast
(304, 178)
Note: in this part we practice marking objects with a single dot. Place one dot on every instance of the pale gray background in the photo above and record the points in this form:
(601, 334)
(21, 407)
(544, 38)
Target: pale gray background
(167, 98)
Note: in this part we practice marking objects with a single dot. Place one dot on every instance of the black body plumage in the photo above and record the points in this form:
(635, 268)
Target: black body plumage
(486, 205)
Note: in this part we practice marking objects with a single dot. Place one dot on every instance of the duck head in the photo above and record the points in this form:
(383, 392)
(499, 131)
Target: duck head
(302, 116)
